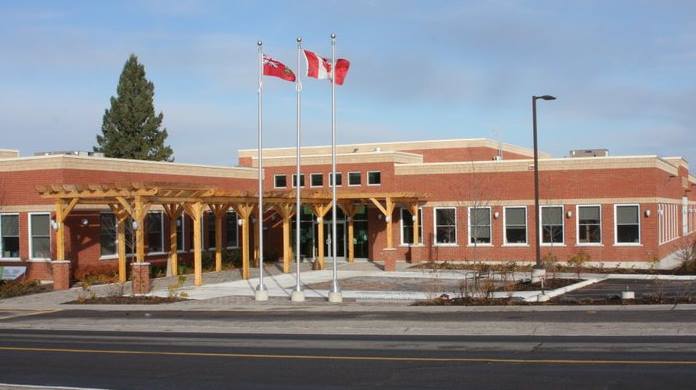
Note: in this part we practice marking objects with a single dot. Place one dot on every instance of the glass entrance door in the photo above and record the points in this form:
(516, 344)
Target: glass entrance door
(360, 242)
(340, 244)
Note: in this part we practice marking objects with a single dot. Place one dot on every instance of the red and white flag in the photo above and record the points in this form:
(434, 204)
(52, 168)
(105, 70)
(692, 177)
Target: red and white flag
(320, 68)
(276, 68)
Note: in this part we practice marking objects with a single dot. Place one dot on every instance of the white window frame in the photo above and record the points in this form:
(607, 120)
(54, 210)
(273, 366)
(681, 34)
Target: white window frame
(29, 236)
(420, 226)
(237, 230)
(19, 231)
(368, 178)
(640, 226)
(577, 226)
(456, 227)
(293, 176)
(330, 176)
(490, 226)
(354, 185)
(541, 225)
(162, 252)
(311, 175)
(526, 227)
(279, 175)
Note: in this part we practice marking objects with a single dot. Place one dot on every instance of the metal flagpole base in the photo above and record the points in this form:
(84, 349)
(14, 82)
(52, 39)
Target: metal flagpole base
(297, 296)
(261, 294)
(335, 297)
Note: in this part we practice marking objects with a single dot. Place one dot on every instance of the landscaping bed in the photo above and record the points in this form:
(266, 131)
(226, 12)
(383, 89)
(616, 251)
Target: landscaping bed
(126, 300)
(549, 284)
(15, 288)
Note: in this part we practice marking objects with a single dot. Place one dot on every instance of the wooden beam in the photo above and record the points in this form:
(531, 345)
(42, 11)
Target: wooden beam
(195, 211)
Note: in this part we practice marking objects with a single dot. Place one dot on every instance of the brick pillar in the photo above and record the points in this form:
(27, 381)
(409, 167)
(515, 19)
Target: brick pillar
(389, 257)
(61, 274)
(141, 278)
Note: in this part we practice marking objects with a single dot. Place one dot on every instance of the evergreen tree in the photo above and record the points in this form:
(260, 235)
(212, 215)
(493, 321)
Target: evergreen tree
(130, 128)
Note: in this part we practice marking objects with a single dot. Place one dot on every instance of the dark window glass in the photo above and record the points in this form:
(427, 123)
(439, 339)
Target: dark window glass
(107, 234)
(40, 236)
(231, 229)
(374, 178)
(354, 178)
(154, 232)
(180, 229)
(9, 231)
(516, 225)
(317, 180)
(302, 180)
(210, 229)
(627, 225)
(552, 225)
(339, 179)
(445, 226)
(281, 181)
(589, 225)
(480, 229)
(407, 226)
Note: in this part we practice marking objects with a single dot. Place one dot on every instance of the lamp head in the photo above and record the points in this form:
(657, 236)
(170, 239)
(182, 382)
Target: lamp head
(546, 97)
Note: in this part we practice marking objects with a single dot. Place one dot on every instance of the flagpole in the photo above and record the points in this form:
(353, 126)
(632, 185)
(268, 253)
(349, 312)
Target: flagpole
(298, 294)
(261, 292)
(335, 293)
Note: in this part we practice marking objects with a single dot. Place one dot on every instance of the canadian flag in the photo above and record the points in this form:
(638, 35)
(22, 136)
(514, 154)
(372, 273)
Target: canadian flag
(276, 68)
(320, 68)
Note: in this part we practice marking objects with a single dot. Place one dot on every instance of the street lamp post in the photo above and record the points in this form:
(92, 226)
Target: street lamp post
(538, 272)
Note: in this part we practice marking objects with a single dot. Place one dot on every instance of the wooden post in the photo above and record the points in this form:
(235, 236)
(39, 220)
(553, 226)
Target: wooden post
(139, 217)
(60, 231)
(121, 214)
(173, 212)
(349, 211)
(244, 211)
(256, 244)
(286, 211)
(219, 211)
(416, 223)
(387, 210)
(195, 211)
(319, 211)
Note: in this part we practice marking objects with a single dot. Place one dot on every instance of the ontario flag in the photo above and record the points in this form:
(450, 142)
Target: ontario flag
(276, 68)
(320, 68)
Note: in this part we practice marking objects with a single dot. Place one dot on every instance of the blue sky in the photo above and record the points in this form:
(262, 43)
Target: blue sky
(624, 72)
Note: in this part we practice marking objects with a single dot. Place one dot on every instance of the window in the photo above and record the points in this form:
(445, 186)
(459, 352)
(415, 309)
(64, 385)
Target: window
(374, 178)
(627, 223)
(589, 224)
(407, 226)
(339, 179)
(446, 225)
(515, 225)
(9, 236)
(180, 229)
(280, 181)
(209, 219)
(551, 224)
(294, 180)
(316, 180)
(108, 235)
(231, 229)
(479, 225)
(154, 233)
(40, 236)
(353, 178)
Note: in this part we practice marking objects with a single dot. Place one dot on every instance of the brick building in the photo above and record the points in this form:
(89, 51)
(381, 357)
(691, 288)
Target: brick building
(474, 196)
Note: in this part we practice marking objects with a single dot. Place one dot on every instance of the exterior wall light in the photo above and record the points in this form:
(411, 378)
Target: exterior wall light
(647, 213)
(135, 225)
(413, 218)
(240, 221)
(54, 224)
(569, 214)
(496, 215)
(387, 219)
(319, 219)
(84, 222)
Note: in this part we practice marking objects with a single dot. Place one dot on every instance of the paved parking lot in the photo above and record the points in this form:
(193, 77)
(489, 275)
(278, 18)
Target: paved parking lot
(613, 287)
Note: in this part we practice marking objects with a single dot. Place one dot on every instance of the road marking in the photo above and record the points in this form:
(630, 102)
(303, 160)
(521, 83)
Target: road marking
(26, 313)
(17, 386)
(366, 358)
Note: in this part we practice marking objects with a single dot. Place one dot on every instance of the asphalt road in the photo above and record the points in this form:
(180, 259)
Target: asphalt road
(117, 360)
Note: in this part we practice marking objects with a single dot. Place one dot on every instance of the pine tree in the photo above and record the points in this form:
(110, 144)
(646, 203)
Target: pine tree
(130, 128)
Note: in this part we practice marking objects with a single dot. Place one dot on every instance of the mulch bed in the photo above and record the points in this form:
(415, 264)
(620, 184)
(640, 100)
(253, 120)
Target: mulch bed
(616, 300)
(126, 300)
(468, 301)
(549, 284)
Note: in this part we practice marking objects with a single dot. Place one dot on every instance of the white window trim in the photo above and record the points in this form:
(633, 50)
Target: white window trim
(420, 227)
(292, 181)
(526, 227)
(577, 226)
(237, 221)
(50, 239)
(640, 226)
(456, 229)
(468, 226)
(279, 175)
(311, 185)
(331, 177)
(18, 258)
(354, 185)
(367, 177)
(541, 226)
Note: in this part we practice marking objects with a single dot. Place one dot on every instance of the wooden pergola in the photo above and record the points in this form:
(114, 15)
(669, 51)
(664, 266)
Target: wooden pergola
(133, 200)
